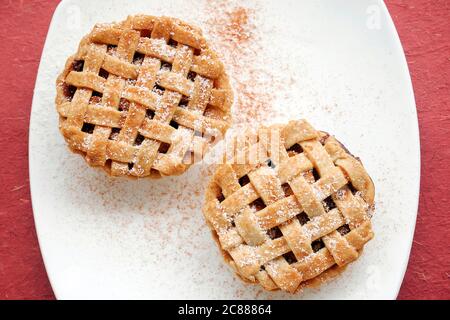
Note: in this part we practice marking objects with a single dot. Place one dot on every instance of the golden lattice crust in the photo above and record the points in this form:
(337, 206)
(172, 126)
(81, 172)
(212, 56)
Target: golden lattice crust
(297, 215)
(144, 97)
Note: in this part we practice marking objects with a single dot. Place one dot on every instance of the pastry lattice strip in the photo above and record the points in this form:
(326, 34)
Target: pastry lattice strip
(122, 66)
(312, 236)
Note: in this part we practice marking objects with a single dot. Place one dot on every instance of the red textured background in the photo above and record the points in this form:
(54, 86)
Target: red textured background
(424, 30)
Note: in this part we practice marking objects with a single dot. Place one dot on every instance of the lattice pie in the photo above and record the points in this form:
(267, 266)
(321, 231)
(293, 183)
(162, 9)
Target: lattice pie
(290, 208)
(143, 97)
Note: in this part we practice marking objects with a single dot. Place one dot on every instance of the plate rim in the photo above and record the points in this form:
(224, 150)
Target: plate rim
(411, 96)
(36, 218)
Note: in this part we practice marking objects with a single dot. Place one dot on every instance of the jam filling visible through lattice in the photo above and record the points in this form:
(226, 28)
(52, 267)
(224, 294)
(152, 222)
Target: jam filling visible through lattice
(297, 215)
(143, 96)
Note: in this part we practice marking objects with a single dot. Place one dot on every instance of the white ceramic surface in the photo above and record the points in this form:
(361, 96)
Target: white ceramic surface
(112, 238)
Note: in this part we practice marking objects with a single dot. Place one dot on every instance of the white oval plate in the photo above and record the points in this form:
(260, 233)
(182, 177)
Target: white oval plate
(118, 238)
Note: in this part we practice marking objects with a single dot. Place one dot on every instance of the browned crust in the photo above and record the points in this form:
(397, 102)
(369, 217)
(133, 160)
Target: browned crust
(222, 82)
(326, 276)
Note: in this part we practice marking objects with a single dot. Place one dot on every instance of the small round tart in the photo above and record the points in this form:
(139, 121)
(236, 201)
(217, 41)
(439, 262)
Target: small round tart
(290, 208)
(144, 97)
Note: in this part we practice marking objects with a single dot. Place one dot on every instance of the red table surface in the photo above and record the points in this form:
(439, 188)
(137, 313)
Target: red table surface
(424, 30)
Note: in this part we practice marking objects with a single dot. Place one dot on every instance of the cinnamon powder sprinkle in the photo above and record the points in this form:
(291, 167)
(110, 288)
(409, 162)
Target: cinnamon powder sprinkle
(237, 25)
(235, 36)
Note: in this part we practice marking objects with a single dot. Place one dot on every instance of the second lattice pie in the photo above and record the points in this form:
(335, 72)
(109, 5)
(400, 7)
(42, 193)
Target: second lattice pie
(291, 207)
